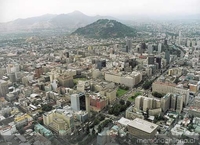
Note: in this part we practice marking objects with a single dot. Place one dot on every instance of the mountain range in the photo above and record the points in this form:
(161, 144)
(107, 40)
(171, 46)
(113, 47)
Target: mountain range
(68, 22)
(105, 28)
(72, 21)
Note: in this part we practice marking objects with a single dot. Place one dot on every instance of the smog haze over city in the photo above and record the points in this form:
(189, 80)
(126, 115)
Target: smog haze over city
(14, 9)
(99, 72)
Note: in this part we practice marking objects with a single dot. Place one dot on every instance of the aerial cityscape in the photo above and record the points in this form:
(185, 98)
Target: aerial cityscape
(94, 72)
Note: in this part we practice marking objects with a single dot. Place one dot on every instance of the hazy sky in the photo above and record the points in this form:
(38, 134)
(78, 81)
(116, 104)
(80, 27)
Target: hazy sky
(13, 9)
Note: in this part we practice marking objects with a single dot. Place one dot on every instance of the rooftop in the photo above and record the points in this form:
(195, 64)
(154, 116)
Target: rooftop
(165, 83)
(143, 125)
(124, 121)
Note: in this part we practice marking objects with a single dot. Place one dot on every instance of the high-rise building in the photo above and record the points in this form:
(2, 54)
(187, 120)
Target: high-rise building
(159, 47)
(79, 102)
(18, 76)
(141, 48)
(167, 56)
(112, 51)
(87, 103)
(173, 38)
(158, 60)
(198, 43)
(3, 88)
(193, 43)
(143, 45)
(165, 42)
(125, 49)
(128, 45)
(150, 59)
(75, 102)
(179, 105)
(150, 48)
(82, 100)
(139, 102)
(188, 43)
(146, 104)
(185, 98)
(165, 102)
(173, 101)
(179, 38)
(2, 72)
(12, 77)
(142, 103)
(67, 54)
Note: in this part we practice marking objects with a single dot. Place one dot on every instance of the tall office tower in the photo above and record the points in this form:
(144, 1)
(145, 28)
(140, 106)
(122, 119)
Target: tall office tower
(143, 45)
(153, 103)
(139, 102)
(188, 43)
(75, 102)
(128, 44)
(87, 102)
(158, 60)
(126, 49)
(167, 56)
(2, 72)
(103, 63)
(186, 98)
(198, 43)
(67, 54)
(112, 51)
(159, 47)
(179, 105)
(193, 43)
(82, 100)
(12, 77)
(3, 88)
(51, 77)
(179, 38)
(165, 102)
(150, 48)
(79, 102)
(147, 103)
(150, 59)
(8, 68)
(165, 42)
(141, 48)
(174, 37)
(173, 101)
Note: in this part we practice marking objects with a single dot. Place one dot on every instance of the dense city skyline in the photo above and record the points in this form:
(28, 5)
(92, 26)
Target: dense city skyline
(99, 72)
(14, 9)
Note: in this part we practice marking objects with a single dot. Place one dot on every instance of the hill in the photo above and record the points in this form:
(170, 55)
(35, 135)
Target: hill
(105, 28)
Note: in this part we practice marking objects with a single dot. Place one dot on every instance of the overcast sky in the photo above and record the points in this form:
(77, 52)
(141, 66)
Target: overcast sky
(13, 9)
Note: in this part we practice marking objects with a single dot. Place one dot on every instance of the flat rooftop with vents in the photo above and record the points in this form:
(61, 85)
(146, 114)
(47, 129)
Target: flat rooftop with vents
(141, 128)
